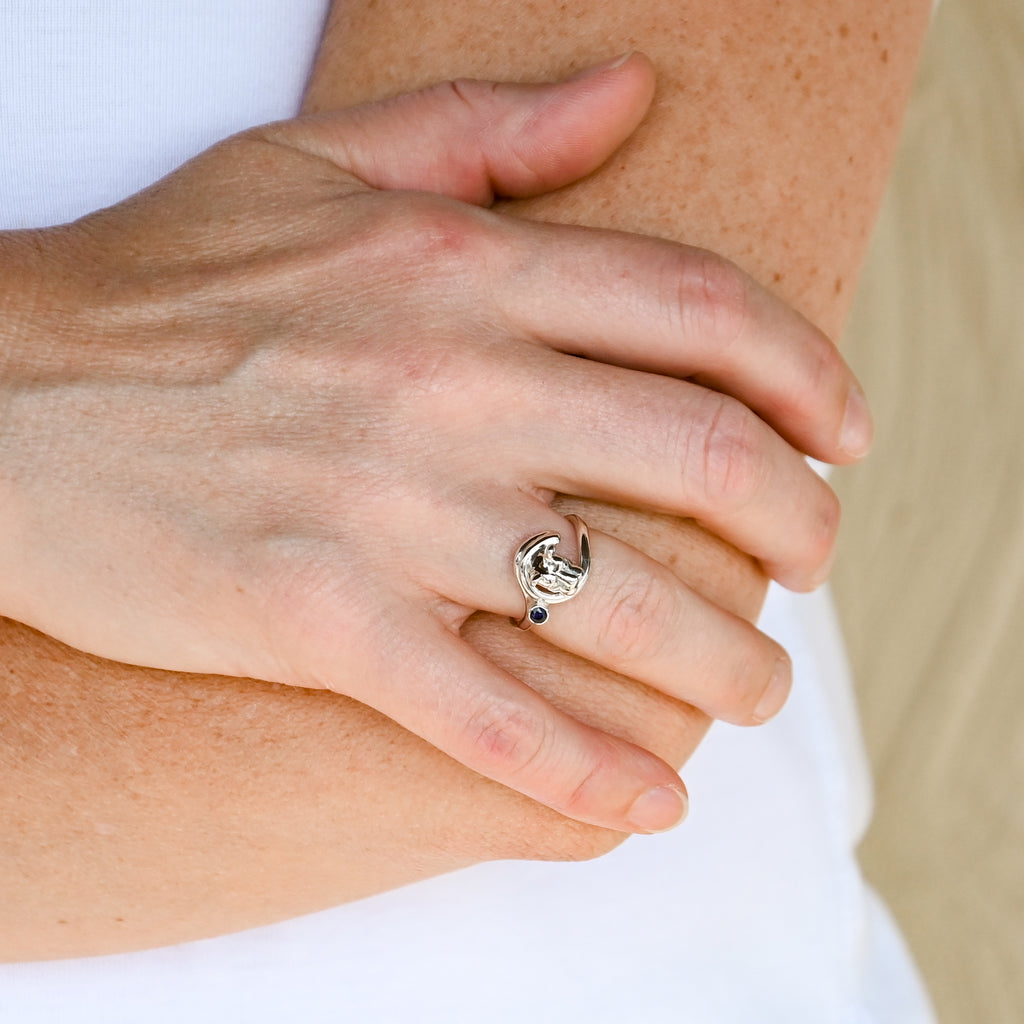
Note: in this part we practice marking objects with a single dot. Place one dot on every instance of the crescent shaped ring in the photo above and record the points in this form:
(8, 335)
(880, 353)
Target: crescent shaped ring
(547, 578)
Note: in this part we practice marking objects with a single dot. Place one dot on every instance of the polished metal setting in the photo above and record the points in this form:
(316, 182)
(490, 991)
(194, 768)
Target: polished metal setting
(547, 578)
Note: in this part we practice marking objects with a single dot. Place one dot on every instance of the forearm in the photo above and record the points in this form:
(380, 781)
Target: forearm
(770, 137)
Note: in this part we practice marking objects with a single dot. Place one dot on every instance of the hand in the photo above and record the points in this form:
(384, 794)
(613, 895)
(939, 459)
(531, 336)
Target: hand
(265, 419)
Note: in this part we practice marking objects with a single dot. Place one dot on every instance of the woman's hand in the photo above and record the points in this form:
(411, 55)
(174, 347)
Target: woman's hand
(279, 416)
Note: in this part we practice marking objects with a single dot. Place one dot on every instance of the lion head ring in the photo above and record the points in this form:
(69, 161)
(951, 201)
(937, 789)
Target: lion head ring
(547, 578)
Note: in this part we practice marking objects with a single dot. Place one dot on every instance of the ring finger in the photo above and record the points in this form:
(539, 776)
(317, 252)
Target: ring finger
(636, 617)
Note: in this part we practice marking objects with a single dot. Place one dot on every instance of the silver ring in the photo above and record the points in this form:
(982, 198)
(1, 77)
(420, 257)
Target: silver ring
(547, 578)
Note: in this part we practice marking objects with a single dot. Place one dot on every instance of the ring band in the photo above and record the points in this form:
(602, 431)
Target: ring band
(547, 578)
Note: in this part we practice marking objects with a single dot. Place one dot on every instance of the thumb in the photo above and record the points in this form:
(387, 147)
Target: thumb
(473, 140)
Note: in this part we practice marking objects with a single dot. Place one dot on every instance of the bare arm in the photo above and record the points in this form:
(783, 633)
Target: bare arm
(770, 138)
(153, 808)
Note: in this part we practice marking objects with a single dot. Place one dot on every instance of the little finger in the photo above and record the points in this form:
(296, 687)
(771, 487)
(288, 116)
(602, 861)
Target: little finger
(493, 723)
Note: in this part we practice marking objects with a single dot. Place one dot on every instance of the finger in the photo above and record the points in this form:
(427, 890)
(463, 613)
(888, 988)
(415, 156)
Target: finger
(654, 305)
(469, 139)
(488, 720)
(597, 431)
(637, 618)
(731, 579)
(668, 728)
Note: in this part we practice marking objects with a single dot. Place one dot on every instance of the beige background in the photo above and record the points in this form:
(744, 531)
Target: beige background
(931, 576)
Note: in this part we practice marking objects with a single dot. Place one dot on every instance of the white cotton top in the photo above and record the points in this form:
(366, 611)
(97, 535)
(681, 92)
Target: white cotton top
(753, 912)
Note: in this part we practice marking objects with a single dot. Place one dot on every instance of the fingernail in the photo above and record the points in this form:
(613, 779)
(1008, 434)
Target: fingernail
(856, 432)
(776, 691)
(599, 69)
(658, 809)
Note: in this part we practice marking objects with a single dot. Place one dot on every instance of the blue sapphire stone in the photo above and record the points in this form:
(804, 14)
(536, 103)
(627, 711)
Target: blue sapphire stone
(538, 616)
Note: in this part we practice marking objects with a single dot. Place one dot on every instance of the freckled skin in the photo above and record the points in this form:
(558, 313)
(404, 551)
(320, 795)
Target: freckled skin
(765, 114)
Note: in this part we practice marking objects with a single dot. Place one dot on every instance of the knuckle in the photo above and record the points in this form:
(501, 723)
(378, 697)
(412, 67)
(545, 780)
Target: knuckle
(438, 235)
(823, 368)
(724, 453)
(817, 535)
(476, 95)
(827, 522)
(638, 620)
(737, 694)
(713, 298)
(507, 739)
(515, 742)
(420, 240)
(590, 788)
(486, 119)
(821, 384)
